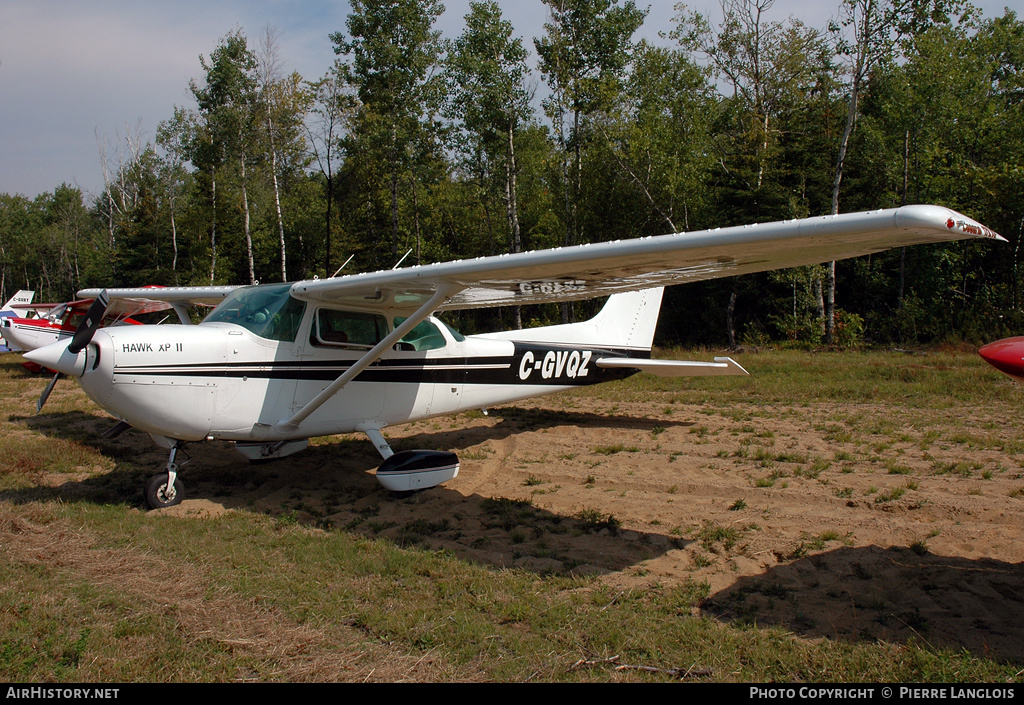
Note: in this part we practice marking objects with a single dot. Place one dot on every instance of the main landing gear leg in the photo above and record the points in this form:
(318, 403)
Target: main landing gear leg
(165, 489)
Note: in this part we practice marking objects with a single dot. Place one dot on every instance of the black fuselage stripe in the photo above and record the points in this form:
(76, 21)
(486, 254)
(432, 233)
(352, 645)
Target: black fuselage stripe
(479, 370)
(409, 376)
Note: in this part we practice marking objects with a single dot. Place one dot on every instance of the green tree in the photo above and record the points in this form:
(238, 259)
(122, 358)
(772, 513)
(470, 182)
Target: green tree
(869, 34)
(332, 111)
(585, 56)
(14, 224)
(768, 65)
(227, 103)
(487, 69)
(174, 137)
(390, 55)
(944, 127)
(772, 70)
(284, 103)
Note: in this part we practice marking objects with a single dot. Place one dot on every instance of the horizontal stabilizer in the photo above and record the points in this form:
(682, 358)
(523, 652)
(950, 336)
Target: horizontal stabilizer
(677, 368)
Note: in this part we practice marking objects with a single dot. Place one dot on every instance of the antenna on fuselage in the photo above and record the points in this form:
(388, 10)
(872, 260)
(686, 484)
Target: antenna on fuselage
(342, 266)
(403, 258)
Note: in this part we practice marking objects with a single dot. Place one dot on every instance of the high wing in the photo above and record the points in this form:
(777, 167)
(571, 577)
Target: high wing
(146, 299)
(587, 271)
(187, 295)
(40, 307)
(120, 309)
(124, 307)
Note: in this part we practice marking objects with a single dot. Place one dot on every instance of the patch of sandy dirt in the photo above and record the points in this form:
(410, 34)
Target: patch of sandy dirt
(841, 521)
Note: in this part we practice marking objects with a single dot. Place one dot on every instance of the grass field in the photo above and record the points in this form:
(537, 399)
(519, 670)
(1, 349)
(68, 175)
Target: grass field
(351, 584)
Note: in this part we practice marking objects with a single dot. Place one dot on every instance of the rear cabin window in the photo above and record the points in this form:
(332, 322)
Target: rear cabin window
(347, 329)
(425, 336)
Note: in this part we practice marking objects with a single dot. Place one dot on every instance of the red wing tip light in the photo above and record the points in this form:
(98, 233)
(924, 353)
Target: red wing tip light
(1006, 355)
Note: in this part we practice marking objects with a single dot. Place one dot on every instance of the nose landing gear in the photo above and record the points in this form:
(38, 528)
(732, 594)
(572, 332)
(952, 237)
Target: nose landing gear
(165, 489)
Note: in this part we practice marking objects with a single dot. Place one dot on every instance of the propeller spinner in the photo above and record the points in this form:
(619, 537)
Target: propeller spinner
(66, 358)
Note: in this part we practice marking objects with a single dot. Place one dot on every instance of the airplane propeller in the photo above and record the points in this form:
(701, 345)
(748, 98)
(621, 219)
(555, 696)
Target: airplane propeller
(89, 326)
(83, 334)
(46, 392)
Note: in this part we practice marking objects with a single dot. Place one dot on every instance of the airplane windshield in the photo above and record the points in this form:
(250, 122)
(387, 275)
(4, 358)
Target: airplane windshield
(267, 311)
(55, 314)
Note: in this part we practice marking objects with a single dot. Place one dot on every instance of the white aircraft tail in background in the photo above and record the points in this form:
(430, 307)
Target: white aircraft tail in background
(22, 297)
(8, 310)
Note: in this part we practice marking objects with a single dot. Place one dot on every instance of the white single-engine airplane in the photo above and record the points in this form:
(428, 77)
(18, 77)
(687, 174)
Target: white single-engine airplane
(273, 365)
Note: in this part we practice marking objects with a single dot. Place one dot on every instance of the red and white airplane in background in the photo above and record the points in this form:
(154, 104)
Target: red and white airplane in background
(1006, 355)
(56, 322)
(274, 365)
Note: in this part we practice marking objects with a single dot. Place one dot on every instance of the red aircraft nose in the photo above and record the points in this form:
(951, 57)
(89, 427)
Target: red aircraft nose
(1006, 355)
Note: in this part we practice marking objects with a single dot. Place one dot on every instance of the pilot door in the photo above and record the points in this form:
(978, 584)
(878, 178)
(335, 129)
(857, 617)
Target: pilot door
(336, 340)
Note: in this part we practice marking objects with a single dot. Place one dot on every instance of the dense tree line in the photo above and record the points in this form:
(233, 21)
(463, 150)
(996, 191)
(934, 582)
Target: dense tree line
(432, 148)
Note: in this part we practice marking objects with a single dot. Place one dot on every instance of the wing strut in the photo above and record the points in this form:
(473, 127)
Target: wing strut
(182, 310)
(443, 292)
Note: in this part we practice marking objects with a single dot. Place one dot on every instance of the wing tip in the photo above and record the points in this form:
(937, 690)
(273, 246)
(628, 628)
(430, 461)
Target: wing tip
(947, 220)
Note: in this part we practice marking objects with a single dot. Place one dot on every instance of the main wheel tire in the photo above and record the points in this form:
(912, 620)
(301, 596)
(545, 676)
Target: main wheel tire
(157, 494)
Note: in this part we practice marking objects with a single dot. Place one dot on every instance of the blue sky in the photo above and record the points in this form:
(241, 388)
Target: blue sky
(73, 73)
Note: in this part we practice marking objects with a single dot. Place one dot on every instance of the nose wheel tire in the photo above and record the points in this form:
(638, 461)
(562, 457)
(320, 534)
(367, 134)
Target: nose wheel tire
(159, 495)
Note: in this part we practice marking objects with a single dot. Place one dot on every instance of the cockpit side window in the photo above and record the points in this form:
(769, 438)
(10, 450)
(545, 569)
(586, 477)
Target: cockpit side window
(349, 329)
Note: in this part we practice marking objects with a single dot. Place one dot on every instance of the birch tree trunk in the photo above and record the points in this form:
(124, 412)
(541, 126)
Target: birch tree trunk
(245, 221)
(213, 226)
(513, 211)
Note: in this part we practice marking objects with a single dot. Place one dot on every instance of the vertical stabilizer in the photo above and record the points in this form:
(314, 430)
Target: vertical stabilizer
(627, 320)
(22, 297)
(8, 311)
